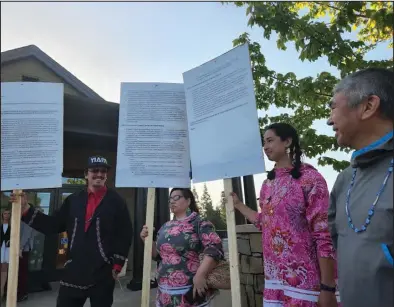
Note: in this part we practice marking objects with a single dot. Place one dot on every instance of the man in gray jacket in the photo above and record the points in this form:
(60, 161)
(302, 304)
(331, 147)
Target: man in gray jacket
(361, 206)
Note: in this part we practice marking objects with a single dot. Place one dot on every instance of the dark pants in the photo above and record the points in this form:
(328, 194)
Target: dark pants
(22, 274)
(101, 295)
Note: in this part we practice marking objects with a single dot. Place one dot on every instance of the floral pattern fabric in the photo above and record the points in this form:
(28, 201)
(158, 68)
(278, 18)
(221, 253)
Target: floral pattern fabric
(179, 244)
(294, 225)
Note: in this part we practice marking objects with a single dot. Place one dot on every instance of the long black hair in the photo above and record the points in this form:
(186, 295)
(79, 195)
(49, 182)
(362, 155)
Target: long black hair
(285, 131)
(188, 194)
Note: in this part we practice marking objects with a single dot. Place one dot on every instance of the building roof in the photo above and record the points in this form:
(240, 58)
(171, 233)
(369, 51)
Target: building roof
(34, 51)
(90, 116)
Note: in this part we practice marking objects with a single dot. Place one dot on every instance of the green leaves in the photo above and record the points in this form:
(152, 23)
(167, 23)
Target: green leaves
(79, 181)
(306, 25)
(314, 37)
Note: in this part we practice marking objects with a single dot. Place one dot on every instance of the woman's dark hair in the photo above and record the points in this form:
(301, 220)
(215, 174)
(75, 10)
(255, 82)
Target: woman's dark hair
(285, 131)
(188, 194)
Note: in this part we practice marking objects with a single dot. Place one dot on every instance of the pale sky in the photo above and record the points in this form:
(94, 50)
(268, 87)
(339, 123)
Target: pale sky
(104, 44)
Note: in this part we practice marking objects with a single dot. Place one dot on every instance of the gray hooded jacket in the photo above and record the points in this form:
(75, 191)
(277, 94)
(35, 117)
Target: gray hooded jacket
(27, 237)
(365, 262)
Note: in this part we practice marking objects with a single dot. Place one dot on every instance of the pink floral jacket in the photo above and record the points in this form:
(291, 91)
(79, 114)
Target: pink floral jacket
(179, 244)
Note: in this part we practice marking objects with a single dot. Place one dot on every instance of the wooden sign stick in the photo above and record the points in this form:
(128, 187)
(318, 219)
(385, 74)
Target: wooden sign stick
(232, 245)
(12, 283)
(150, 213)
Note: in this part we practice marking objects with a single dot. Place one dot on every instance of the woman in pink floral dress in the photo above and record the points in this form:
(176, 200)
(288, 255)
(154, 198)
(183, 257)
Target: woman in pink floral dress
(299, 264)
(181, 277)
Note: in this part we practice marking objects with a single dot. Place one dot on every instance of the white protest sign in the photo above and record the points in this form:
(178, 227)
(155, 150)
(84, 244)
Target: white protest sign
(31, 135)
(153, 145)
(154, 149)
(224, 132)
(31, 151)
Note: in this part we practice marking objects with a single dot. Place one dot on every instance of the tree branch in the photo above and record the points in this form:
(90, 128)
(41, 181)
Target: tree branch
(338, 9)
(294, 86)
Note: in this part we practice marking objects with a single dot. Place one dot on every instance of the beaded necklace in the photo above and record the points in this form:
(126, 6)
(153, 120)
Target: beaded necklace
(371, 210)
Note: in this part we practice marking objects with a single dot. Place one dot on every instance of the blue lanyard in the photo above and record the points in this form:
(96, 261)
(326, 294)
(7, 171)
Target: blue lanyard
(371, 211)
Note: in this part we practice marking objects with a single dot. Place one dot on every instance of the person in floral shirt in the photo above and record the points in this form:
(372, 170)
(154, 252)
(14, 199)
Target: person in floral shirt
(181, 277)
(299, 259)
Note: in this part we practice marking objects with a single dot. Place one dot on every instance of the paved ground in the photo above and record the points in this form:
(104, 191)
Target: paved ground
(122, 298)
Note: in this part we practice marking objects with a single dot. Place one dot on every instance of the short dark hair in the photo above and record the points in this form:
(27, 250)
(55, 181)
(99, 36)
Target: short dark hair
(366, 82)
(188, 194)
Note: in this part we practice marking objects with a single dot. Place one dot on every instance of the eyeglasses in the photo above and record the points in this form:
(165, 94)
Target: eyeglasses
(98, 170)
(174, 198)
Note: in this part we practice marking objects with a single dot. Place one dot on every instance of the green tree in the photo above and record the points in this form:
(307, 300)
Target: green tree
(205, 202)
(316, 29)
(217, 219)
(208, 211)
(196, 197)
(222, 208)
(215, 216)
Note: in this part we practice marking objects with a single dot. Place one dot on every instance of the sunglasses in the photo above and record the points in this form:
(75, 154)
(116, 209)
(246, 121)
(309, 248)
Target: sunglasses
(174, 198)
(98, 170)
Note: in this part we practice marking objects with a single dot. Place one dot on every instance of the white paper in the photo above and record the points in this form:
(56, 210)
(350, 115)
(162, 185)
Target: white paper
(224, 133)
(153, 145)
(31, 135)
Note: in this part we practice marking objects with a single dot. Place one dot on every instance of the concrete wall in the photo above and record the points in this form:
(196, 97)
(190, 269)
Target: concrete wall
(251, 265)
(12, 72)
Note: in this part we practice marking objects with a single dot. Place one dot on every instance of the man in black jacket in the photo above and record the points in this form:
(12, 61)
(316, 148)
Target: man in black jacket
(99, 230)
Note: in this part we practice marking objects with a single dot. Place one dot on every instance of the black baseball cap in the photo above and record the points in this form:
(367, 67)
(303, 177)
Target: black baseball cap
(98, 161)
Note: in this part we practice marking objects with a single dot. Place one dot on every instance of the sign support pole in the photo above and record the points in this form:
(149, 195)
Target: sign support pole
(12, 282)
(232, 245)
(150, 214)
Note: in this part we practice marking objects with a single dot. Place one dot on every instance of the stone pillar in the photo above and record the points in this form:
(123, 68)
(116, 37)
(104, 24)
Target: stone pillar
(251, 265)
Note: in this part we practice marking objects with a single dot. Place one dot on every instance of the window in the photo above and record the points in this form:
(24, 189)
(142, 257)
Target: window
(41, 201)
(29, 79)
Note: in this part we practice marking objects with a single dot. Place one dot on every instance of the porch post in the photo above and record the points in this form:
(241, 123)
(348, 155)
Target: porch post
(139, 220)
(237, 188)
(162, 209)
(162, 215)
(250, 192)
